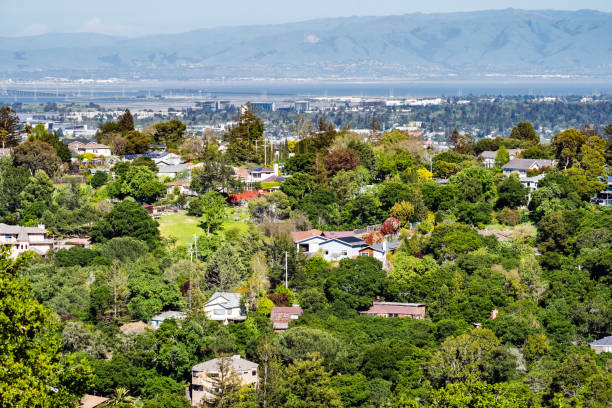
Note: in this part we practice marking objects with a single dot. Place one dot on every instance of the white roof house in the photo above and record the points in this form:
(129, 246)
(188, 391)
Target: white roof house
(158, 319)
(22, 239)
(91, 147)
(339, 248)
(488, 156)
(602, 345)
(225, 307)
(172, 170)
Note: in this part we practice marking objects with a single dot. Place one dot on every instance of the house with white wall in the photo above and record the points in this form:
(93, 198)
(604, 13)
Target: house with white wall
(339, 248)
(22, 239)
(225, 307)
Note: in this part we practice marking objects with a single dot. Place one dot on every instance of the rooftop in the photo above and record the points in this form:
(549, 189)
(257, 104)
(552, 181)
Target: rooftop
(169, 314)
(238, 364)
(302, 235)
(525, 164)
(227, 300)
(606, 341)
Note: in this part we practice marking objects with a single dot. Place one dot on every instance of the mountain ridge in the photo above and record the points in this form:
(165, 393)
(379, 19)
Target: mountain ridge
(509, 42)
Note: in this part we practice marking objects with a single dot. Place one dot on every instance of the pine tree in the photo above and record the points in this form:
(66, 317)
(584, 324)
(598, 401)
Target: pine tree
(126, 121)
(9, 127)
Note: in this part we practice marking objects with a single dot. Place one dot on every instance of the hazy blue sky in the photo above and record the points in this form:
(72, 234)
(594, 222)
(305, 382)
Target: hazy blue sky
(139, 17)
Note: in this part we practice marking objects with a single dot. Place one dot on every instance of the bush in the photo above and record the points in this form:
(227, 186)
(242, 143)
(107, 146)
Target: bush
(508, 216)
(75, 256)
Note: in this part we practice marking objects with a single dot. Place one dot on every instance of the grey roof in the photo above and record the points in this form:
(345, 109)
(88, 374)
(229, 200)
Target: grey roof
(232, 299)
(391, 246)
(606, 341)
(173, 168)
(238, 364)
(18, 230)
(169, 314)
(488, 154)
(525, 164)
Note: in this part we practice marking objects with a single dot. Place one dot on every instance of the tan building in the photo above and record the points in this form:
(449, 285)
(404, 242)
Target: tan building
(22, 239)
(202, 386)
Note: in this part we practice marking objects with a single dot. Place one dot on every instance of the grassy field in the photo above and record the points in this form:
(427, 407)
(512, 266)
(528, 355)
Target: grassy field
(182, 226)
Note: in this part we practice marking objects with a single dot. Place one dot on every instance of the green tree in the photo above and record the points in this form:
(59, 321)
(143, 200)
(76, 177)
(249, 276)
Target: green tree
(169, 133)
(474, 393)
(136, 142)
(9, 127)
(127, 219)
(36, 155)
(52, 138)
(525, 131)
(225, 269)
(567, 146)
(33, 372)
(477, 354)
(213, 175)
(297, 186)
(511, 193)
(341, 159)
(213, 211)
(140, 183)
(99, 179)
(271, 207)
(502, 156)
(246, 139)
(357, 282)
(306, 384)
(125, 122)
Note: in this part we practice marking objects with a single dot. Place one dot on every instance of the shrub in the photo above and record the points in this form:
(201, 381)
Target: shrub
(508, 216)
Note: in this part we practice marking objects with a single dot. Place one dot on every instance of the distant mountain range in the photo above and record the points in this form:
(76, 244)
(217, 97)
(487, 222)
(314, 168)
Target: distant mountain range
(411, 46)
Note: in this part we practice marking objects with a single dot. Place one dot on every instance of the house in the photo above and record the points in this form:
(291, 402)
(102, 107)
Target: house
(281, 316)
(521, 166)
(24, 239)
(202, 385)
(225, 307)
(246, 196)
(172, 170)
(183, 187)
(488, 156)
(338, 234)
(380, 251)
(93, 148)
(342, 247)
(168, 159)
(396, 309)
(602, 345)
(310, 243)
(531, 182)
(92, 401)
(604, 197)
(158, 319)
(259, 174)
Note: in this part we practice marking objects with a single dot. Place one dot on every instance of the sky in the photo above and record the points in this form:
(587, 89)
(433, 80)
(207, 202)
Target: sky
(144, 17)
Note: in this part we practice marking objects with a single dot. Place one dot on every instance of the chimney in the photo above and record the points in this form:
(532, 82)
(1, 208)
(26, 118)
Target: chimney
(41, 226)
(384, 246)
(276, 169)
(493, 314)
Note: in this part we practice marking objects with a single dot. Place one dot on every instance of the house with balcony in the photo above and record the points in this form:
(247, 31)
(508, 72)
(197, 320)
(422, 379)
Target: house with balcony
(604, 197)
(22, 239)
(204, 375)
(488, 157)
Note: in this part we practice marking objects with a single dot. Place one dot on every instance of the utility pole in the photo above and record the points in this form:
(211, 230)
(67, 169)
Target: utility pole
(286, 283)
(190, 272)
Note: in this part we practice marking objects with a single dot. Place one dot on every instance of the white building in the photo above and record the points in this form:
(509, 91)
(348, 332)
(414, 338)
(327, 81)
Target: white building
(521, 166)
(158, 319)
(24, 239)
(225, 307)
(339, 248)
(91, 147)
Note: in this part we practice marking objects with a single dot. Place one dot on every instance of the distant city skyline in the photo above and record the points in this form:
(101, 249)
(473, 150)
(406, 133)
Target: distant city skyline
(146, 17)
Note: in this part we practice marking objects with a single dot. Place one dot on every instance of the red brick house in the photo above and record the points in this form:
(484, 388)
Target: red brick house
(395, 309)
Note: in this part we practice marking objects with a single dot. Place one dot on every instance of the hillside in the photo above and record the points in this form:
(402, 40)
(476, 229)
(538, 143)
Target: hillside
(473, 44)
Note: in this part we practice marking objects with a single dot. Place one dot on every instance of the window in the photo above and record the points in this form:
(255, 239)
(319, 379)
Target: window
(326, 252)
(344, 253)
(195, 387)
(365, 254)
(219, 311)
(254, 373)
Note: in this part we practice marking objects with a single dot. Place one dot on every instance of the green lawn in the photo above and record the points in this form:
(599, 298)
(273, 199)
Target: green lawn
(182, 226)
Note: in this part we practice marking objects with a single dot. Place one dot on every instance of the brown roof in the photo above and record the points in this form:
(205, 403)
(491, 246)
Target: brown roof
(302, 235)
(91, 401)
(338, 234)
(393, 307)
(134, 328)
(287, 309)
